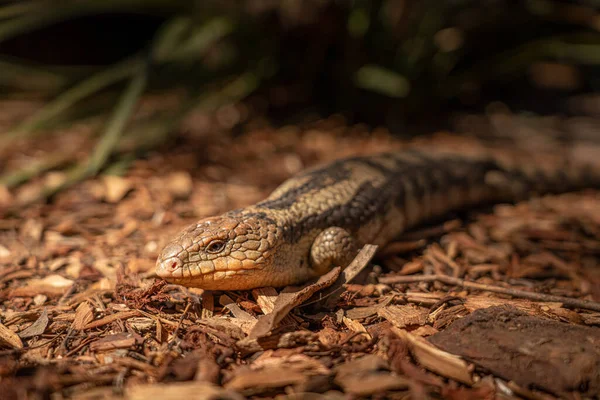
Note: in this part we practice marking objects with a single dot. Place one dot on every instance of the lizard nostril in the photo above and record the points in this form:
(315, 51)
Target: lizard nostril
(168, 268)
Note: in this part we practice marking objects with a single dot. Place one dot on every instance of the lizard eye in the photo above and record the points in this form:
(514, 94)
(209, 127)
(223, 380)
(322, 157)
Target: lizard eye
(215, 246)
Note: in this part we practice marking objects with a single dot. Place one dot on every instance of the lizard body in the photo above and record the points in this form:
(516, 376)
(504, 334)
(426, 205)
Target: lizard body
(322, 217)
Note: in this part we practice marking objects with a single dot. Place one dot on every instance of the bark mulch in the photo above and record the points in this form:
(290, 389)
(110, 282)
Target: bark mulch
(497, 302)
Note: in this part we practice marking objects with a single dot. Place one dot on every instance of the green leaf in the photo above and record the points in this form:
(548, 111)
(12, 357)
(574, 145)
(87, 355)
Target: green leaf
(382, 80)
(116, 124)
(78, 92)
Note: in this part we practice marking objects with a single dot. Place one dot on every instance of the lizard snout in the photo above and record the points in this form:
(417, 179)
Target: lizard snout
(171, 267)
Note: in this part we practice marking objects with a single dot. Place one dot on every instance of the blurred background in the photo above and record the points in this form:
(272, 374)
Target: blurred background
(90, 86)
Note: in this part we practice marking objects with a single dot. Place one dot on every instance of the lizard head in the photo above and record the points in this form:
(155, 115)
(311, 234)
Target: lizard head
(231, 251)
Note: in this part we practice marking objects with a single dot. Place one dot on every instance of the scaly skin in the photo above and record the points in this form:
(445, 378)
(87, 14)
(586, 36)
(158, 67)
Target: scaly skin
(320, 218)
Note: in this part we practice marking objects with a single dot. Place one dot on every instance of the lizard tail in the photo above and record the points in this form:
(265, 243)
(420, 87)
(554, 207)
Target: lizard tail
(576, 169)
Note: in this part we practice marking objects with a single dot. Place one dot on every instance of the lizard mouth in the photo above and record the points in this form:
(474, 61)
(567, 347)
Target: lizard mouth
(239, 279)
(203, 276)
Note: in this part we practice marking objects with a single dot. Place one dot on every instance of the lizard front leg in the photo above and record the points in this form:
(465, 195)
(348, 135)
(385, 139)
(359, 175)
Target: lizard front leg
(332, 247)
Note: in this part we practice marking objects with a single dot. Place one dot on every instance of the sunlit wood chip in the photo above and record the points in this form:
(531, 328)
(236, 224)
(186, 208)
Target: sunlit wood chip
(355, 326)
(52, 285)
(265, 297)
(403, 316)
(434, 359)
(32, 229)
(179, 184)
(9, 338)
(83, 315)
(115, 188)
(208, 305)
(137, 265)
(39, 299)
(107, 267)
(4, 252)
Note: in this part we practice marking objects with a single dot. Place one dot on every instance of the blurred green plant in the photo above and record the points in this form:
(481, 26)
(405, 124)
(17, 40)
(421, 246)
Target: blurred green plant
(408, 56)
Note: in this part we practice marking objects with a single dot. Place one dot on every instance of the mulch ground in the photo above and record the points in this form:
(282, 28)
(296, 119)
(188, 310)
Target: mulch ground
(82, 315)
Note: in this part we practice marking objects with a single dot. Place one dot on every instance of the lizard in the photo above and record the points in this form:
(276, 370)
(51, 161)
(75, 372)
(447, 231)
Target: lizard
(320, 218)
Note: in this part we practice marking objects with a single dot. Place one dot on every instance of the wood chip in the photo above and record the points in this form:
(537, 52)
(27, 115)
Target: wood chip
(288, 300)
(362, 365)
(32, 230)
(276, 341)
(246, 325)
(266, 378)
(348, 274)
(208, 305)
(425, 330)
(37, 328)
(123, 340)
(4, 252)
(368, 375)
(394, 248)
(434, 359)
(375, 383)
(411, 267)
(10, 338)
(83, 316)
(265, 297)
(362, 312)
(355, 326)
(178, 391)
(291, 362)
(51, 286)
(179, 184)
(115, 188)
(403, 316)
(237, 312)
(113, 317)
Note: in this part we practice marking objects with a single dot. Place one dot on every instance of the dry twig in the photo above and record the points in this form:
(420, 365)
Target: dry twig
(567, 301)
